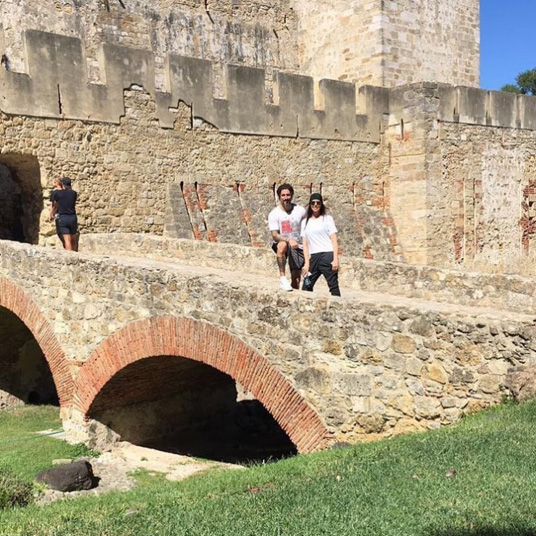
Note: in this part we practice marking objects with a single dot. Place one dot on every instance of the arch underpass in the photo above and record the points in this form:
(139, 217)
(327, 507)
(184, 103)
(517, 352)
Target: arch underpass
(21, 198)
(25, 376)
(186, 407)
(173, 381)
(33, 367)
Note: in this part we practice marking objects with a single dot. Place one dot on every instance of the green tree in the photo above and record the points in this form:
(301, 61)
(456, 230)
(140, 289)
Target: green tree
(525, 83)
(511, 88)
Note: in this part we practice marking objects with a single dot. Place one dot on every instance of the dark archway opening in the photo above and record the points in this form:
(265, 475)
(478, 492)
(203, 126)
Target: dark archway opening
(185, 407)
(25, 377)
(21, 198)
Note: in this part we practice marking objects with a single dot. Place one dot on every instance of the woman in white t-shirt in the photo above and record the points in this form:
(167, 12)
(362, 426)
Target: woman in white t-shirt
(320, 246)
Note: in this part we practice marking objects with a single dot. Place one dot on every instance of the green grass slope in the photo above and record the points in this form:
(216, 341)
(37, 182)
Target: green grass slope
(477, 478)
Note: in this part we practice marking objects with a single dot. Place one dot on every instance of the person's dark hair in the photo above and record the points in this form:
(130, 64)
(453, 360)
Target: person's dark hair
(285, 187)
(323, 208)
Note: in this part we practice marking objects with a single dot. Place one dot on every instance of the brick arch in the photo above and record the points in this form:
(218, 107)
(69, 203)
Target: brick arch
(15, 300)
(202, 342)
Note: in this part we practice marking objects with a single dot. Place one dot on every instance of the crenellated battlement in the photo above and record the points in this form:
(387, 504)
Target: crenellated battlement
(464, 105)
(56, 86)
(490, 108)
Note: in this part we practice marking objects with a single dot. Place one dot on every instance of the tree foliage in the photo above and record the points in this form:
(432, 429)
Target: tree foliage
(525, 83)
(511, 88)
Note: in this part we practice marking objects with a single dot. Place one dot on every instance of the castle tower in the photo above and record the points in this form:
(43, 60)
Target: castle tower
(390, 42)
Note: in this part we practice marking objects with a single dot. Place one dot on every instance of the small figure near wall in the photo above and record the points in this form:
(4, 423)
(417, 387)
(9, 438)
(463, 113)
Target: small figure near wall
(63, 210)
(284, 222)
(52, 216)
(320, 246)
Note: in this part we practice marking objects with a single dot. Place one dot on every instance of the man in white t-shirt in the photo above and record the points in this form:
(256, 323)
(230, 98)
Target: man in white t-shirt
(284, 222)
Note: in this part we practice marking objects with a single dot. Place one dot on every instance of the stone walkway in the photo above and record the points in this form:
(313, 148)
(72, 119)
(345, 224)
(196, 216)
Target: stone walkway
(115, 469)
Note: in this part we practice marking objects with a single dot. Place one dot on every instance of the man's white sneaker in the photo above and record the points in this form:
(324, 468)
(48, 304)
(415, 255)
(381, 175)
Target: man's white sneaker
(285, 284)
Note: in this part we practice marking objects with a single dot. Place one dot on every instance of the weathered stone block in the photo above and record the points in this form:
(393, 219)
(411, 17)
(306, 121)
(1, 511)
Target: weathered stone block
(403, 344)
(436, 373)
(521, 383)
(316, 378)
(427, 408)
(353, 384)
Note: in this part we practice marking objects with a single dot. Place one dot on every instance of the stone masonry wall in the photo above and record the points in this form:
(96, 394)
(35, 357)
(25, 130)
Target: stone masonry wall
(432, 41)
(366, 366)
(249, 32)
(488, 178)
(342, 40)
(363, 41)
(462, 163)
(512, 293)
(124, 173)
(391, 43)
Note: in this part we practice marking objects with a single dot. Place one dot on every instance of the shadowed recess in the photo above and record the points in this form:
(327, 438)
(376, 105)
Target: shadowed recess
(21, 198)
(25, 376)
(186, 407)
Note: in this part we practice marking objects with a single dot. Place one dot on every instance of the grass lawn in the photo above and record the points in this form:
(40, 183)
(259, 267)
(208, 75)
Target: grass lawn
(474, 479)
(24, 451)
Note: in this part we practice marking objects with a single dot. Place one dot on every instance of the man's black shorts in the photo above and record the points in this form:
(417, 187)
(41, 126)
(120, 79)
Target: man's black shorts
(296, 260)
(68, 224)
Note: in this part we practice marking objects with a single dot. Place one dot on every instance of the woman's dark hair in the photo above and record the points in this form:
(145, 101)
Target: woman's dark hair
(323, 208)
(285, 187)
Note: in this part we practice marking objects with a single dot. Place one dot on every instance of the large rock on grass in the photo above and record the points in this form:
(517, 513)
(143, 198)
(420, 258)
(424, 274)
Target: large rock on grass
(76, 476)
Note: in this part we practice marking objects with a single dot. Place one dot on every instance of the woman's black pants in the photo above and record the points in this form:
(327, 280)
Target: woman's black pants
(320, 264)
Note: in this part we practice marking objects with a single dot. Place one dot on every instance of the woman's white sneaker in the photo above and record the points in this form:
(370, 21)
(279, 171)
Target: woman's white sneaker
(284, 283)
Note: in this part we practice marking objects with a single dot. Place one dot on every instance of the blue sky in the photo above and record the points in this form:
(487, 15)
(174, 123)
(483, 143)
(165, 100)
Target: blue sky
(507, 44)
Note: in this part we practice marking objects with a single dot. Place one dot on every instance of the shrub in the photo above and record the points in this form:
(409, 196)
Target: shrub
(13, 490)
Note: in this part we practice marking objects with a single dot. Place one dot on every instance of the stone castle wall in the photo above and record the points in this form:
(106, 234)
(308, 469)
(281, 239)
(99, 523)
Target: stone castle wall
(432, 41)
(391, 43)
(145, 160)
(363, 41)
(248, 32)
(488, 177)
(341, 40)
(138, 177)
(390, 184)
(462, 166)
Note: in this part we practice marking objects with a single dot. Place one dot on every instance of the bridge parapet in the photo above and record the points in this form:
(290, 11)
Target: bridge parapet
(56, 86)
(496, 291)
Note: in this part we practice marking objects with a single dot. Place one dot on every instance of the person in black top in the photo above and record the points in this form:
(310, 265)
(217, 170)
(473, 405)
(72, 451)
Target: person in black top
(63, 205)
(52, 216)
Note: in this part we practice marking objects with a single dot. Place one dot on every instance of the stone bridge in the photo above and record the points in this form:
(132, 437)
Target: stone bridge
(142, 337)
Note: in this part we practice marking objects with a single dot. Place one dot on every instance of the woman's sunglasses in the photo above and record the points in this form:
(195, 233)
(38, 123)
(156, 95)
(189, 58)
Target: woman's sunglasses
(314, 203)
